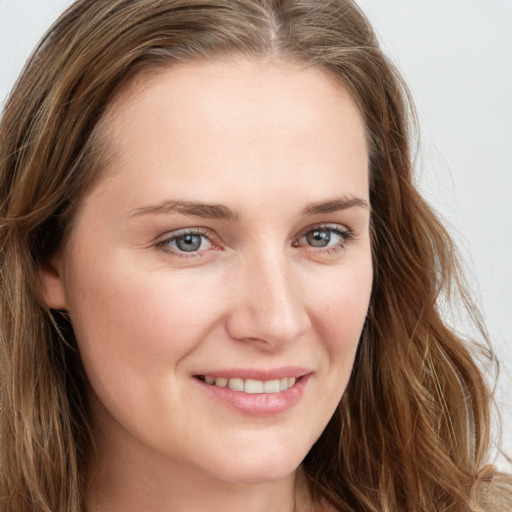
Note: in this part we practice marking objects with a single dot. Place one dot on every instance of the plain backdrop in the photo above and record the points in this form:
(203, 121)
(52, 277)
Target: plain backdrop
(456, 56)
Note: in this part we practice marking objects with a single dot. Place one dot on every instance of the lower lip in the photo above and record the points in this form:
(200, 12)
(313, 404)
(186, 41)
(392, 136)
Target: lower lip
(258, 404)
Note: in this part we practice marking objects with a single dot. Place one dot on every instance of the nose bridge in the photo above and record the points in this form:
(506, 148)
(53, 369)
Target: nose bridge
(269, 306)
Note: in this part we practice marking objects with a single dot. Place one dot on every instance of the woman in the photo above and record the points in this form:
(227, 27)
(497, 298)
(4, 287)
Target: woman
(219, 286)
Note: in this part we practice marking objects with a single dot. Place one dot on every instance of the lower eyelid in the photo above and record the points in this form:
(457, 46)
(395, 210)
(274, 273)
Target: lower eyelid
(165, 243)
(345, 234)
(345, 237)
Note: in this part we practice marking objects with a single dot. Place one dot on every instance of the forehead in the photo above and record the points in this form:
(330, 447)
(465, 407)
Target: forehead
(228, 119)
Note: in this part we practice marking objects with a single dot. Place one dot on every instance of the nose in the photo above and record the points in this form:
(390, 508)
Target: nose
(267, 305)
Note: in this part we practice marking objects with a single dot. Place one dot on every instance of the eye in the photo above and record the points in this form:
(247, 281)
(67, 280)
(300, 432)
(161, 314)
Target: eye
(325, 237)
(319, 237)
(186, 242)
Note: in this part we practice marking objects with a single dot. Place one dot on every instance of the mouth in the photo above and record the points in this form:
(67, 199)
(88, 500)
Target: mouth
(256, 392)
(251, 386)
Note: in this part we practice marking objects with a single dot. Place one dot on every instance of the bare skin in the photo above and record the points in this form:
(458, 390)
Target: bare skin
(227, 241)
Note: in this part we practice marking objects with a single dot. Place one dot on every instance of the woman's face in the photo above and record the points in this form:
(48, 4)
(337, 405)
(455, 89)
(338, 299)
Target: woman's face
(227, 244)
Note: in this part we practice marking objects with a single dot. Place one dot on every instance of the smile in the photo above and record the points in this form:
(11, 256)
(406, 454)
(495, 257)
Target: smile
(251, 386)
(267, 396)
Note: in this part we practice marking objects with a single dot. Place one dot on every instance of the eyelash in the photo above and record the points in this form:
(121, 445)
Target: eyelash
(165, 244)
(345, 237)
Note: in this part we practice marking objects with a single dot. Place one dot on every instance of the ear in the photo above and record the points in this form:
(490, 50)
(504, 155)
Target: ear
(53, 290)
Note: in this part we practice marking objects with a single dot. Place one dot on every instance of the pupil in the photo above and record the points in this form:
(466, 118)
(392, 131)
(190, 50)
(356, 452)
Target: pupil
(319, 238)
(188, 243)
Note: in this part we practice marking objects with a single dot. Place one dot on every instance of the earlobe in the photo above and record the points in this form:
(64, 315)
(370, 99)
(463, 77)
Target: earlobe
(53, 291)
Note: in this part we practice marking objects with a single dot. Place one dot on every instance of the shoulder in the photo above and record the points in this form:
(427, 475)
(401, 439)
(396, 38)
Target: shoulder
(493, 491)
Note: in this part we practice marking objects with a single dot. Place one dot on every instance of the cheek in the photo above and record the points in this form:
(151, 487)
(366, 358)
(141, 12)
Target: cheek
(136, 325)
(340, 311)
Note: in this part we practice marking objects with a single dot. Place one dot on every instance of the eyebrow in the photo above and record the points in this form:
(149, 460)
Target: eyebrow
(335, 205)
(220, 211)
(204, 210)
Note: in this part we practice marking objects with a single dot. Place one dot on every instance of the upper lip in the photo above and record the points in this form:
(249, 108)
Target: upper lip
(263, 374)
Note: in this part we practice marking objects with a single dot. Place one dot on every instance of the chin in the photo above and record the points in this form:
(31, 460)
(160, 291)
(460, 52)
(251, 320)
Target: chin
(258, 473)
(261, 464)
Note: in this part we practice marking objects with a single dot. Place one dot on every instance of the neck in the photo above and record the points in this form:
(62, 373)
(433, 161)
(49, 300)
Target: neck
(130, 480)
(187, 493)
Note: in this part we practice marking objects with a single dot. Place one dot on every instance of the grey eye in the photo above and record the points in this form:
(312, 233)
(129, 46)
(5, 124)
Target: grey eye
(325, 237)
(319, 237)
(188, 242)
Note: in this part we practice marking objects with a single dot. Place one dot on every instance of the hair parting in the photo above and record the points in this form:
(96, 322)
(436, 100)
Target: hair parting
(412, 430)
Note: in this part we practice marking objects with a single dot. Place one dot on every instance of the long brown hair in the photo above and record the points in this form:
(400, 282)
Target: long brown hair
(412, 430)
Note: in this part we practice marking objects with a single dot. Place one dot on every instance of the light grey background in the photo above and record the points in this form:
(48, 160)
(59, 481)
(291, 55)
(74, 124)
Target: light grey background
(456, 56)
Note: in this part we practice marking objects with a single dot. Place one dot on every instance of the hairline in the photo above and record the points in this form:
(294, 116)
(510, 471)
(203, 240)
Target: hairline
(102, 150)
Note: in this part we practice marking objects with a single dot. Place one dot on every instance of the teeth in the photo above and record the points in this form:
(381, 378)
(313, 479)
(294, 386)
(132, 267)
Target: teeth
(236, 384)
(221, 382)
(252, 385)
(272, 386)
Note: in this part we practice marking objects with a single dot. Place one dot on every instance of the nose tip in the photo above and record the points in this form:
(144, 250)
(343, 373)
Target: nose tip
(268, 306)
